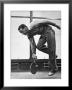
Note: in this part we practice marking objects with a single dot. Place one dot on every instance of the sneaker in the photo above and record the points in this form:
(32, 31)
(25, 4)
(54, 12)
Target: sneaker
(51, 73)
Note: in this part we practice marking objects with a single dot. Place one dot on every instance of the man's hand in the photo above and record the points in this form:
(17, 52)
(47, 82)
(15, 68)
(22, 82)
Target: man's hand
(34, 56)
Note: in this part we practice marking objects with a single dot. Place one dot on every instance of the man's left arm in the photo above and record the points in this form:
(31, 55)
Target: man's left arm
(33, 47)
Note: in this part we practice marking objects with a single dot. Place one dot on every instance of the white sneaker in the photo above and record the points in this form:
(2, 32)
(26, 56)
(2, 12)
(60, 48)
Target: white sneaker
(51, 73)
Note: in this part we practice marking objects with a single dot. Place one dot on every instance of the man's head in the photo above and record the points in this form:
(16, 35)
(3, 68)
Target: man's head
(23, 29)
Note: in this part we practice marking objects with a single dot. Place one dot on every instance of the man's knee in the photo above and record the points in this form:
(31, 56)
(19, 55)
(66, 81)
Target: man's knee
(39, 46)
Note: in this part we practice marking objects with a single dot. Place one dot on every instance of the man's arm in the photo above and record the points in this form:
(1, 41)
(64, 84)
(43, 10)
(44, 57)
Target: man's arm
(33, 47)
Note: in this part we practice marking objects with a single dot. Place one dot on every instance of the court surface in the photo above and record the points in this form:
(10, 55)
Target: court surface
(38, 75)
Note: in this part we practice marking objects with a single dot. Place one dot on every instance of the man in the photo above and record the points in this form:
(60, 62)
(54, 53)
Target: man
(44, 29)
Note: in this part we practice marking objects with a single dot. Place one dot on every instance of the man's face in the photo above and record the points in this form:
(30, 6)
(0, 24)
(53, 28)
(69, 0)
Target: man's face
(23, 30)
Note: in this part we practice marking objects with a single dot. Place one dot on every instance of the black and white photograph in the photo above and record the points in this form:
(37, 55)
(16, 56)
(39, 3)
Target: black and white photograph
(35, 44)
(36, 48)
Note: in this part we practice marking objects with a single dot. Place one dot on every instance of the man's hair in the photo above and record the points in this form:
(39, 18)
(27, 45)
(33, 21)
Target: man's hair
(22, 26)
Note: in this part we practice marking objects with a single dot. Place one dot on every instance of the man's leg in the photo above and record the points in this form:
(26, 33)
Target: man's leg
(50, 37)
(41, 46)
